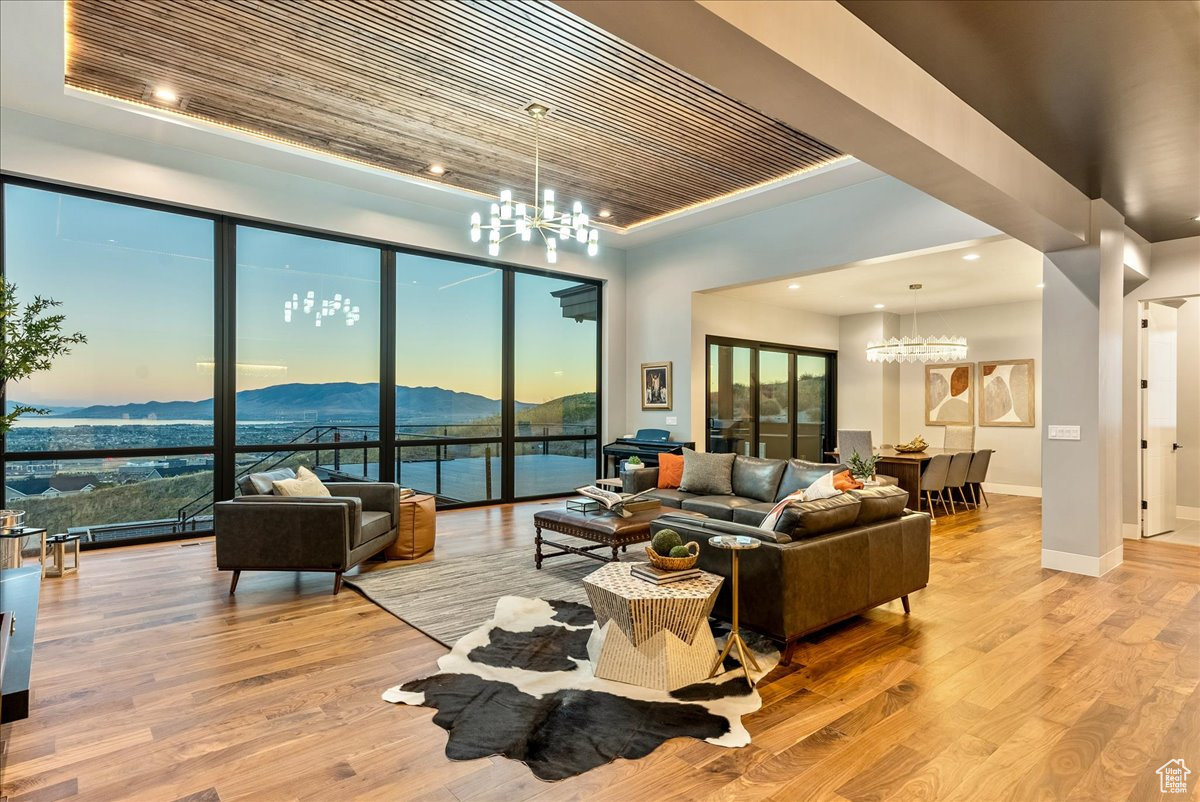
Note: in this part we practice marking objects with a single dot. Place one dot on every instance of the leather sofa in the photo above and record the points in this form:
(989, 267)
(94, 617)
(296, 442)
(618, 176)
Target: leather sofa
(825, 561)
(260, 531)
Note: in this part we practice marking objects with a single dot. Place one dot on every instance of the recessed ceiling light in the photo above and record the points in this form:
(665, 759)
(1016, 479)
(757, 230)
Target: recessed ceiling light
(1039, 285)
(793, 286)
(165, 95)
(605, 213)
(971, 257)
(879, 306)
(436, 169)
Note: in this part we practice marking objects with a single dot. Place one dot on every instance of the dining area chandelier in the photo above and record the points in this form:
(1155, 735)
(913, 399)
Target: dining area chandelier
(517, 219)
(915, 347)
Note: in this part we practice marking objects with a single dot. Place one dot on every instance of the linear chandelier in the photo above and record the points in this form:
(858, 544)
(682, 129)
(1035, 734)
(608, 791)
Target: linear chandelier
(510, 219)
(916, 348)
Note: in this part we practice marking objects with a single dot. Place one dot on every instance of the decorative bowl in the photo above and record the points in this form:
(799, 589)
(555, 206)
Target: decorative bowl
(675, 563)
(907, 449)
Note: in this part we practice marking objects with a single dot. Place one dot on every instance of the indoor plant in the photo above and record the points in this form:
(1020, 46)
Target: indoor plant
(634, 463)
(862, 468)
(30, 339)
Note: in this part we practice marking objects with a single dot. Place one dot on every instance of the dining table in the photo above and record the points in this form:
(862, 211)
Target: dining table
(906, 466)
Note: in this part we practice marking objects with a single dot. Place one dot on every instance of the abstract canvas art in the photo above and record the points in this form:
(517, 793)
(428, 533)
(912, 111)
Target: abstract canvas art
(1006, 396)
(948, 394)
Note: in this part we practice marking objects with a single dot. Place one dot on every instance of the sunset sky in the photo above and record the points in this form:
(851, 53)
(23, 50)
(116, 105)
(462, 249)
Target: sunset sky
(139, 284)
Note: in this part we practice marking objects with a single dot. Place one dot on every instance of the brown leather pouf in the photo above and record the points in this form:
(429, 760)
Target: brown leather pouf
(417, 528)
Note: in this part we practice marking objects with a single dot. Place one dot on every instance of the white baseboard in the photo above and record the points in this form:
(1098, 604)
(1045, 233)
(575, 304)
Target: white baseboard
(1131, 531)
(1082, 563)
(1012, 490)
(1187, 513)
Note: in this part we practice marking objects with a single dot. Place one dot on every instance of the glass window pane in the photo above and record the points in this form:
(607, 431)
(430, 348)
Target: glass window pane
(307, 335)
(457, 473)
(448, 348)
(774, 405)
(812, 395)
(100, 496)
(729, 400)
(555, 356)
(552, 466)
(139, 283)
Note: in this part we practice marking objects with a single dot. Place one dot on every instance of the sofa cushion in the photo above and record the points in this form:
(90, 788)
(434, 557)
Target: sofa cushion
(374, 524)
(707, 474)
(262, 484)
(306, 483)
(670, 498)
(756, 478)
(879, 503)
(811, 518)
(721, 507)
(752, 514)
(799, 474)
(670, 471)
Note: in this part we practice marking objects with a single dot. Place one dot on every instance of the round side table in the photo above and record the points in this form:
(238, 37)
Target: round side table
(735, 544)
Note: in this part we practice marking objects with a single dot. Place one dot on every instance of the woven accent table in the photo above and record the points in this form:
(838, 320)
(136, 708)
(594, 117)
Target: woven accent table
(656, 636)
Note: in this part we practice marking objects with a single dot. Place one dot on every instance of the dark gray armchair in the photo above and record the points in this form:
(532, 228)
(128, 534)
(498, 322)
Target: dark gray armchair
(259, 532)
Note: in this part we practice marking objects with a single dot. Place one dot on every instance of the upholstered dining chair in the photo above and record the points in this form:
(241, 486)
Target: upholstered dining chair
(977, 475)
(851, 441)
(933, 480)
(956, 477)
(959, 438)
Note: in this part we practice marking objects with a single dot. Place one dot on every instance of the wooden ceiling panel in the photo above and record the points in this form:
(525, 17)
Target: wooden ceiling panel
(401, 84)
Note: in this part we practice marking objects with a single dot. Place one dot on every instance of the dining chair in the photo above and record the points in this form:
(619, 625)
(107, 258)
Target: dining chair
(977, 475)
(852, 441)
(956, 477)
(959, 438)
(933, 478)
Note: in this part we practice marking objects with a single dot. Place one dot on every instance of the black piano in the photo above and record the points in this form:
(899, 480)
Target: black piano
(647, 445)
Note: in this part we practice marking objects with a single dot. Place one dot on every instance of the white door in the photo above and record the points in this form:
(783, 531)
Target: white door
(1158, 419)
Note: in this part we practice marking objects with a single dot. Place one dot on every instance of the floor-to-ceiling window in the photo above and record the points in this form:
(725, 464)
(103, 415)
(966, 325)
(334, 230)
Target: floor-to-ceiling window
(769, 400)
(129, 438)
(219, 347)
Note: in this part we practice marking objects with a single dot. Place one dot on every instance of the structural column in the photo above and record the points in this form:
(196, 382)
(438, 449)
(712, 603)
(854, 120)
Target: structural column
(1081, 377)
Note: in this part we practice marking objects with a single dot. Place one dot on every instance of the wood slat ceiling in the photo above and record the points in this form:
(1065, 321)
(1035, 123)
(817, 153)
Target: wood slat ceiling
(401, 84)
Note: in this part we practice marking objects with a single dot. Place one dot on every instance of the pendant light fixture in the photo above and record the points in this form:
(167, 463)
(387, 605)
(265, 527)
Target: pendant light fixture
(916, 348)
(509, 219)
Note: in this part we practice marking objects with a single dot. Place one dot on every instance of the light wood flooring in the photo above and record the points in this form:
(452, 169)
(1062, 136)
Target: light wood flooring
(1007, 682)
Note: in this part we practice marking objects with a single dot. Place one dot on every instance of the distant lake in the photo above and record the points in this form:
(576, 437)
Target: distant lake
(37, 422)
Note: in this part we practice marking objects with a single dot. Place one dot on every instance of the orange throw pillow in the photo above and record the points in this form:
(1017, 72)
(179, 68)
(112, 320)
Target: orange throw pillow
(844, 481)
(670, 471)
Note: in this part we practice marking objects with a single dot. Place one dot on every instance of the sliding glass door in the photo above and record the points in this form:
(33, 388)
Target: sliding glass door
(770, 400)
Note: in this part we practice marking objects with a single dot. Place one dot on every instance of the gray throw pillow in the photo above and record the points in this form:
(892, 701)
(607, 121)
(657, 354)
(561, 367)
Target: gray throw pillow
(707, 474)
(262, 484)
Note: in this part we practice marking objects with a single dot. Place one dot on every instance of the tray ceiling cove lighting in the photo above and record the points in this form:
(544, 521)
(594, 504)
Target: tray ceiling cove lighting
(916, 348)
(508, 219)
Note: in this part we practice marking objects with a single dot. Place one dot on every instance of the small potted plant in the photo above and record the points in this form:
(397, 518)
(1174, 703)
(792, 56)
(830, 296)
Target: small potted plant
(634, 463)
(862, 468)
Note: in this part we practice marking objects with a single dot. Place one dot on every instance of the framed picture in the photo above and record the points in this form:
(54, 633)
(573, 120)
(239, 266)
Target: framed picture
(948, 394)
(1006, 393)
(656, 385)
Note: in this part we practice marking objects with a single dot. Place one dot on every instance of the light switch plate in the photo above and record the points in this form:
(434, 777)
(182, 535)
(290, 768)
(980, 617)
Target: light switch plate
(672, 420)
(1062, 432)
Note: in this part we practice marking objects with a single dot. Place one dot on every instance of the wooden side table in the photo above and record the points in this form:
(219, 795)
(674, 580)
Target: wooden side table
(11, 542)
(652, 635)
(58, 545)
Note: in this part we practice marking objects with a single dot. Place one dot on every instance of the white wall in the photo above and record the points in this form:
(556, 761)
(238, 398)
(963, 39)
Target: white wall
(1174, 273)
(1187, 460)
(875, 218)
(1002, 331)
(868, 392)
(57, 151)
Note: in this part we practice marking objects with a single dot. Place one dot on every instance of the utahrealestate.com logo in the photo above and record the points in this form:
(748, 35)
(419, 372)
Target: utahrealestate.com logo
(1172, 777)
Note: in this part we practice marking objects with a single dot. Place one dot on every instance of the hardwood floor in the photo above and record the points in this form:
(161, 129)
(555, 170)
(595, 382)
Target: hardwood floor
(1007, 682)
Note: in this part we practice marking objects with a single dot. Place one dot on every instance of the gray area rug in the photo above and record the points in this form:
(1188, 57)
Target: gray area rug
(446, 599)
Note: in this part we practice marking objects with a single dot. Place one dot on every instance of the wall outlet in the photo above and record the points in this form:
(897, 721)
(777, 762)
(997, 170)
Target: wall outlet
(672, 420)
(1062, 432)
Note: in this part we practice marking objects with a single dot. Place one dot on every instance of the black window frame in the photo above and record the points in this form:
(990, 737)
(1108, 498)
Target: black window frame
(224, 447)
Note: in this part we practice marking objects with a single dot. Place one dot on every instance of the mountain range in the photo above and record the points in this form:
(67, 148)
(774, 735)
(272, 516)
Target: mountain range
(346, 401)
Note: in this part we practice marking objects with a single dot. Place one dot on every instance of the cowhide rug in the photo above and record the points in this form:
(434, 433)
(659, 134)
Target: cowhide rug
(521, 686)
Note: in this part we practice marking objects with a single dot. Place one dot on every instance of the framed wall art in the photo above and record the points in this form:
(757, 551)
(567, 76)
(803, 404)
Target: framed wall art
(656, 385)
(1006, 393)
(949, 399)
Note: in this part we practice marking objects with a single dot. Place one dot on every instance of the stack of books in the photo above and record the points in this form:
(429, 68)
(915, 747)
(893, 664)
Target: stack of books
(659, 576)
